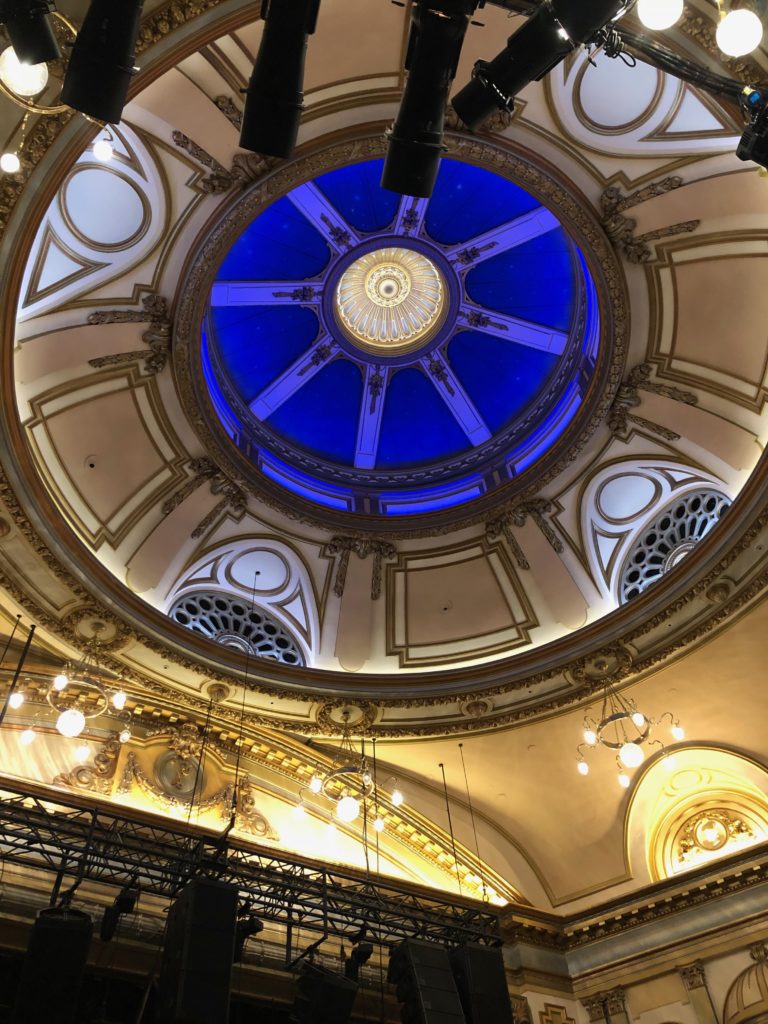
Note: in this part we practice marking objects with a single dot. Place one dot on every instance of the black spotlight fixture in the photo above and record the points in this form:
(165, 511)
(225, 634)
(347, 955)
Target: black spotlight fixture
(753, 144)
(555, 29)
(124, 903)
(274, 98)
(29, 28)
(102, 61)
(245, 928)
(416, 139)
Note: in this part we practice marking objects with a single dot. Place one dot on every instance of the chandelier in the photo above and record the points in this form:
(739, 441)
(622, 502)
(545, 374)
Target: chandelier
(77, 694)
(352, 783)
(625, 730)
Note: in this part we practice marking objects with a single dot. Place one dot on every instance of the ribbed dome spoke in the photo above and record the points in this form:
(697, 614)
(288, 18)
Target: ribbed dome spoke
(324, 217)
(513, 329)
(501, 239)
(294, 378)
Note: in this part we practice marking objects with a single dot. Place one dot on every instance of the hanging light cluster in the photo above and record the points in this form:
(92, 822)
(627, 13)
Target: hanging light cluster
(624, 730)
(78, 694)
(739, 29)
(351, 785)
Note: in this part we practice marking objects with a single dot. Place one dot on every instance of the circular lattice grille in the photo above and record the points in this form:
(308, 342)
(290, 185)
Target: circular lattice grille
(669, 538)
(229, 621)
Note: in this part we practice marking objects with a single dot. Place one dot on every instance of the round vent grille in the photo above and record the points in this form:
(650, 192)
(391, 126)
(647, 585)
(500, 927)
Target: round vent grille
(664, 542)
(228, 621)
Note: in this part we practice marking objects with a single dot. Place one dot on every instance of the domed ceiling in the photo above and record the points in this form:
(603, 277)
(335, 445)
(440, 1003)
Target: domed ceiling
(424, 438)
(395, 356)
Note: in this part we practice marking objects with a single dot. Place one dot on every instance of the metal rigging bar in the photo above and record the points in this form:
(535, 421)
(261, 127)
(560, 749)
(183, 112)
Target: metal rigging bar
(113, 847)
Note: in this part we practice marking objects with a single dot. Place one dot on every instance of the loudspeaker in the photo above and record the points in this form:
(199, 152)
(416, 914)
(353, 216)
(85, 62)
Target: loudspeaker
(425, 986)
(197, 956)
(482, 984)
(53, 967)
(323, 997)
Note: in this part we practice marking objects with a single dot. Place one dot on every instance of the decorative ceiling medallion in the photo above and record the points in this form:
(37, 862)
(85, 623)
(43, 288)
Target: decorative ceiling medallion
(390, 300)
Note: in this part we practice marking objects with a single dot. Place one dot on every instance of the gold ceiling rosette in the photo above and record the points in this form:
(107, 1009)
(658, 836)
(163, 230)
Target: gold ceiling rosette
(390, 300)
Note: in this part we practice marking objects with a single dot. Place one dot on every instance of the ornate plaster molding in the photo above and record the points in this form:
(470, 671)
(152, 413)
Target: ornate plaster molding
(157, 336)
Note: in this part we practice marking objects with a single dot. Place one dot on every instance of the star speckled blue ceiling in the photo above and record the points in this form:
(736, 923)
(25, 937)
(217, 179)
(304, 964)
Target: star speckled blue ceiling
(363, 420)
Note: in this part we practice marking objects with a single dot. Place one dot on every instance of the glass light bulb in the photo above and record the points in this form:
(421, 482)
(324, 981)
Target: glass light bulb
(659, 14)
(397, 798)
(10, 163)
(590, 737)
(60, 682)
(103, 150)
(678, 732)
(118, 699)
(70, 722)
(23, 79)
(15, 700)
(82, 752)
(582, 768)
(631, 755)
(315, 784)
(638, 719)
(739, 32)
(378, 824)
(124, 735)
(347, 809)
(27, 737)
(624, 780)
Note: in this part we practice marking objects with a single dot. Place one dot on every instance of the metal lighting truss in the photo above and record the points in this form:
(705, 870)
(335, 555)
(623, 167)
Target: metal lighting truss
(109, 846)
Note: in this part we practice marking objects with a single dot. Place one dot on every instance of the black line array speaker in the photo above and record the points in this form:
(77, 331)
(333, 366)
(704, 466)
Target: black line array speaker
(323, 997)
(52, 972)
(482, 984)
(426, 988)
(196, 968)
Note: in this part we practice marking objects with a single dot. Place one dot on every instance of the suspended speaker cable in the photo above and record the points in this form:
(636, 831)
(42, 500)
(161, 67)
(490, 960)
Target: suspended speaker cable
(450, 827)
(474, 829)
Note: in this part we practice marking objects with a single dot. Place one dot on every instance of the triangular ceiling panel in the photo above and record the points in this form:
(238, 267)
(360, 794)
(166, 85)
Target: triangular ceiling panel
(57, 267)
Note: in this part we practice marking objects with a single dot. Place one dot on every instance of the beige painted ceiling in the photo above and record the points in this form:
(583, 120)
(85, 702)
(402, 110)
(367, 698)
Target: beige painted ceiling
(463, 645)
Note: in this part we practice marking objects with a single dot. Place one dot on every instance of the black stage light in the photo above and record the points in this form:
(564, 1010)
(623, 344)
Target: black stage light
(244, 929)
(274, 98)
(753, 144)
(29, 28)
(101, 64)
(555, 29)
(416, 139)
(125, 903)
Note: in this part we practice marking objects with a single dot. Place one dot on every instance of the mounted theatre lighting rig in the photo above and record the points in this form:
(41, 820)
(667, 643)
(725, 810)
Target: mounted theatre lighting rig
(29, 28)
(553, 31)
(437, 32)
(274, 98)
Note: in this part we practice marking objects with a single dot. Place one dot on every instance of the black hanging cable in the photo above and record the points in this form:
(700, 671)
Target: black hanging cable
(9, 641)
(450, 826)
(246, 674)
(365, 814)
(378, 873)
(472, 817)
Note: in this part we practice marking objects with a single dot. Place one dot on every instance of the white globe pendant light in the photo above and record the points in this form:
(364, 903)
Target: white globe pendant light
(347, 809)
(659, 14)
(71, 722)
(739, 32)
(631, 755)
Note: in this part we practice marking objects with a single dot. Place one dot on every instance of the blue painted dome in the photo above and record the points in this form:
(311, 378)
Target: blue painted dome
(393, 355)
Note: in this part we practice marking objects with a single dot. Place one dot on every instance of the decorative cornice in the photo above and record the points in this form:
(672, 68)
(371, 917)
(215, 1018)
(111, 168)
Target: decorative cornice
(157, 336)
(621, 229)
(693, 975)
(639, 379)
(362, 547)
